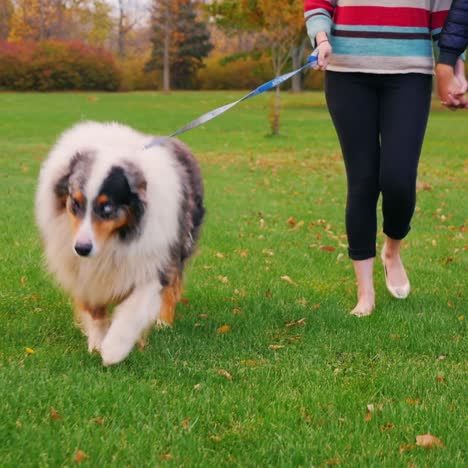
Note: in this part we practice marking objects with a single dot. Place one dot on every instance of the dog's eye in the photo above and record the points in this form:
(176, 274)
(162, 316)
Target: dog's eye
(105, 210)
(75, 205)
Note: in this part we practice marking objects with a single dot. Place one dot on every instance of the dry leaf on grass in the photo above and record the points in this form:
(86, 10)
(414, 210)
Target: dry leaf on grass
(23, 280)
(370, 407)
(223, 329)
(54, 414)
(223, 279)
(440, 379)
(225, 373)
(275, 347)
(29, 351)
(295, 323)
(368, 417)
(80, 456)
(99, 421)
(327, 248)
(428, 441)
(219, 255)
(288, 279)
(407, 447)
(186, 423)
(249, 362)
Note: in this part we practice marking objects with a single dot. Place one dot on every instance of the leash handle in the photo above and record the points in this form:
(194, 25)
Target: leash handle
(311, 61)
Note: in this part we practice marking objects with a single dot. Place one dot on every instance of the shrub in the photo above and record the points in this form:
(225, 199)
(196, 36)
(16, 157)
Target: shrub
(242, 73)
(57, 65)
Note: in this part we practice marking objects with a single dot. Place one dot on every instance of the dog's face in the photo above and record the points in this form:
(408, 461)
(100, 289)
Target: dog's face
(101, 208)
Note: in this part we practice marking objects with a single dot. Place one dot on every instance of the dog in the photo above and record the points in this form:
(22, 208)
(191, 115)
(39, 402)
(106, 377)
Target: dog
(118, 222)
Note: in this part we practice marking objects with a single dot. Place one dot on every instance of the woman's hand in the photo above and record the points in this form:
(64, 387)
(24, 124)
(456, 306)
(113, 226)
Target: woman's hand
(323, 51)
(452, 85)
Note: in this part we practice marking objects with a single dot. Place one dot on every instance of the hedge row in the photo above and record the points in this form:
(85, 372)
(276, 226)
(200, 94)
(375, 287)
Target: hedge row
(56, 65)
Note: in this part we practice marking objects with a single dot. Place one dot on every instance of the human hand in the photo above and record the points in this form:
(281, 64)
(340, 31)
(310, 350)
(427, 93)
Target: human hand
(460, 75)
(451, 86)
(322, 51)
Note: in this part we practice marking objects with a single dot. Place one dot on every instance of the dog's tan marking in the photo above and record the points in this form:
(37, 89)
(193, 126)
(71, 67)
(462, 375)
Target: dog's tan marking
(170, 296)
(79, 197)
(102, 199)
(104, 228)
(96, 313)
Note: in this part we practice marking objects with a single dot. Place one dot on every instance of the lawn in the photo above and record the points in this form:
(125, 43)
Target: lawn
(294, 380)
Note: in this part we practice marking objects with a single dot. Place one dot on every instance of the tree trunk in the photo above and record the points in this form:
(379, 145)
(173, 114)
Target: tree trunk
(121, 31)
(297, 54)
(41, 20)
(166, 61)
(275, 122)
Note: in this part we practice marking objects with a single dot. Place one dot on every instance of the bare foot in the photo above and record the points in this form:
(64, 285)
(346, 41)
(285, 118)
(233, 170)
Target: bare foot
(365, 305)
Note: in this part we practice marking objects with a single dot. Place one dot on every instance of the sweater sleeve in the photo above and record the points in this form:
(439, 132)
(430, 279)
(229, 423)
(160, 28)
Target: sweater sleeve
(318, 16)
(454, 35)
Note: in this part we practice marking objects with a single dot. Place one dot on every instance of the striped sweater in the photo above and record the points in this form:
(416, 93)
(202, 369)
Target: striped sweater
(369, 37)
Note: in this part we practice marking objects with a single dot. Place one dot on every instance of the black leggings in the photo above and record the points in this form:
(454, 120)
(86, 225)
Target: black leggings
(380, 121)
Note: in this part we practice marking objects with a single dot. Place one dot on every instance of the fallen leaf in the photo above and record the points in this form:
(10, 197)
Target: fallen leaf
(387, 427)
(99, 421)
(440, 379)
(428, 441)
(295, 323)
(327, 248)
(29, 351)
(315, 307)
(268, 294)
(184, 301)
(413, 401)
(185, 423)
(215, 438)
(288, 279)
(223, 329)
(242, 253)
(370, 407)
(275, 347)
(249, 362)
(368, 417)
(197, 387)
(54, 414)
(18, 423)
(333, 461)
(395, 337)
(225, 373)
(236, 311)
(219, 255)
(203, 316)
(268, 252)
(291, 221)
(407, 447)
(23, 280)
(166, 456)
(223, 279)
(306, 415)
(302, 301)
(293, 339)
(423, 186)
(298, 225)
(461, 318)
(80, 456)
(442, 357)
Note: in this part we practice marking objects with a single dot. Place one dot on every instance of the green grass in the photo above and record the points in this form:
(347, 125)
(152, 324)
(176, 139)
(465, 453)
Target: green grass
(304, 404)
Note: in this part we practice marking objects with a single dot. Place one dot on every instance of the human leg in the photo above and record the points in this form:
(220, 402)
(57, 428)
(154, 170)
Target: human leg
(353, 104)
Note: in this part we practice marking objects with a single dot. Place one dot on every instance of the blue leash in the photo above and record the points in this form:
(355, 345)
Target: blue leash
(311, 61)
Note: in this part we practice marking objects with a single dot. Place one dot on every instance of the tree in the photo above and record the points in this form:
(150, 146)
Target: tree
(180, 42)
(6, 12)
(36, 20)
(280, 32)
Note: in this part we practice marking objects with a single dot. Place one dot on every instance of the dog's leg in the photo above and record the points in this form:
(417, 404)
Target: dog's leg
(131, 319)
(170, 296)
(94, 322)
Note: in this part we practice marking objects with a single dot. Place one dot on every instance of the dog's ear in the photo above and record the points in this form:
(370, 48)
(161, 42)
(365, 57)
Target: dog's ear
(136, 180)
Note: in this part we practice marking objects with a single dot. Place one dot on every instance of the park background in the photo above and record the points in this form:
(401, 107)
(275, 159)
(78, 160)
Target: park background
(264, 367)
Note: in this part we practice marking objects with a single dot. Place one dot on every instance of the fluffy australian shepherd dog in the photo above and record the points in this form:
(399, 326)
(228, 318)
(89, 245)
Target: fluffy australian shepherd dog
(118, 224)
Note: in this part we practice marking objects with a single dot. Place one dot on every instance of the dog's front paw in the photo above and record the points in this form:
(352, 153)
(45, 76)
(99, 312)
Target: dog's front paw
(96, 336)
(115, 349)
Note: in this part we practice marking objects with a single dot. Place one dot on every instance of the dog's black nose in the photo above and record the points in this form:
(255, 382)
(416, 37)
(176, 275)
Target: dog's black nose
(83, 249)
